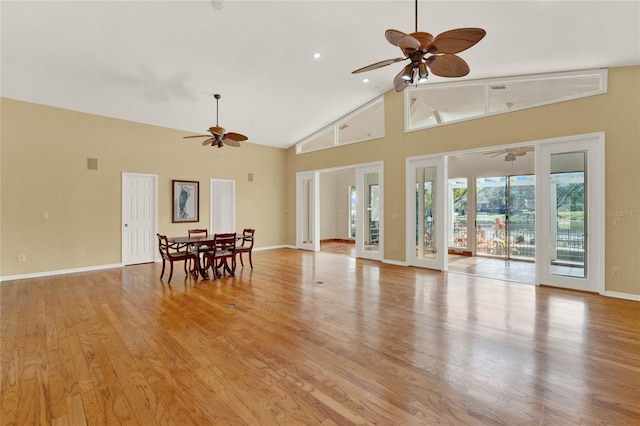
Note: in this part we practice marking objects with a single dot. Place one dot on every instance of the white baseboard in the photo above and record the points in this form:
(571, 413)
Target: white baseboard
(60, 272)
(395, 262)
(617, 295)
(274, 247)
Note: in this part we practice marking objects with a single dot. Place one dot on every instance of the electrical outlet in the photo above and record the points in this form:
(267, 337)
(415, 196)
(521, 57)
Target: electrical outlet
(22, 258)
(616, 271)
(394, 246)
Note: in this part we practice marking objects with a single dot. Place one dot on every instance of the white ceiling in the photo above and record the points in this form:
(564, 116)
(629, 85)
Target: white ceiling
(160, 62)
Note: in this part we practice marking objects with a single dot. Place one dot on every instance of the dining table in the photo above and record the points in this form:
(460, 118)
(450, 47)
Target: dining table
(205, 240)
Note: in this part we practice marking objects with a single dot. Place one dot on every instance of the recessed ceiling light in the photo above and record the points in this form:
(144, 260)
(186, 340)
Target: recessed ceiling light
(365, 80)
(316, 55)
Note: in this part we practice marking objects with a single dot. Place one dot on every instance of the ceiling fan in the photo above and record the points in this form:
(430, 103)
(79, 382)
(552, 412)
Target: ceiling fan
(510, 154)
(218, 134)
(428, 53)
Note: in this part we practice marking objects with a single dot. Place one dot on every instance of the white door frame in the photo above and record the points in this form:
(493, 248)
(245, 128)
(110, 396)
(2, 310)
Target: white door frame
(313, 208)
(361, 208)
(315, 176)
(440, 162)
(154, 215)
(593, 145)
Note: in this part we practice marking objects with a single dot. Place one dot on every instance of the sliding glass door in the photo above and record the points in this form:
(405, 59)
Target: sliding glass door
(505, 217)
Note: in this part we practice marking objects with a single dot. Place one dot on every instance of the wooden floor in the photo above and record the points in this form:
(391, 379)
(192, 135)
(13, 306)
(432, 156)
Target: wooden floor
(313, 339)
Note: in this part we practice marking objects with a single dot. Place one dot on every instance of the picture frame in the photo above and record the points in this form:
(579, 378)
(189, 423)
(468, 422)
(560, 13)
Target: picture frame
(185, 195)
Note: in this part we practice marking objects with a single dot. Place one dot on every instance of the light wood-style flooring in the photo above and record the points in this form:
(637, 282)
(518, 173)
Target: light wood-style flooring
(313, 339)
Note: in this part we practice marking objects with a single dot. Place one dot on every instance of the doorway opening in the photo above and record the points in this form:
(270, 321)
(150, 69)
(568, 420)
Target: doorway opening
(340, 211)
(491, 204)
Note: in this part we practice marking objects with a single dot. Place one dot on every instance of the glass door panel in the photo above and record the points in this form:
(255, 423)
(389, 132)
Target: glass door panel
(372, 221)
(521, 222)
(505, 217)
(352, 211)
(426, 183)
(458, 237)
(491, 216)
(567, 213)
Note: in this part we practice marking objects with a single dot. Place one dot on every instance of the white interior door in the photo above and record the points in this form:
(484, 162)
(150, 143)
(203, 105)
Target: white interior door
(307, 211)
(570, 227)
(139, 218)
(222, 206)
(370, 212)
(426, 213)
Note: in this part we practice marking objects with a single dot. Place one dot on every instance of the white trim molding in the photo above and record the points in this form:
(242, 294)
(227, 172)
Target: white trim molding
(60, 272)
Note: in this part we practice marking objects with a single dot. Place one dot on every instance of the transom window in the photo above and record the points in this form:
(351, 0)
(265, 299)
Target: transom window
(430, 105)
(435, 104)
(364, 124)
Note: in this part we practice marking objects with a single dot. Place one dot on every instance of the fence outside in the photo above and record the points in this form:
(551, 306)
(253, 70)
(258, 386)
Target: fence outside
(491, 238)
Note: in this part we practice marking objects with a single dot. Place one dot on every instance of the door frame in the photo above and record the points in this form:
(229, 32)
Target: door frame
(594, 278)
(314, 207)
(361, 210)
(315, 175)
(152, 235)
(442, 211)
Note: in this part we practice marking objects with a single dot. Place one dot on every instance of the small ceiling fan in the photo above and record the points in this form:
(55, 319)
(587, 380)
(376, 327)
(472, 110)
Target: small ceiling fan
(428, 53)
(218, 134)
(510, 154)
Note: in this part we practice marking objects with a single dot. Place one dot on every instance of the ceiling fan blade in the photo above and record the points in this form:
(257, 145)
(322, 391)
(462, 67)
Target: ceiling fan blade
(399, 83)
(455, 41)
(234, 137)
(231, 142)
(520, 153)
(217, 130)
(448, 65)
(402, 40)
(198, 136)
(377, 65)
(209, 141)
(425, 39)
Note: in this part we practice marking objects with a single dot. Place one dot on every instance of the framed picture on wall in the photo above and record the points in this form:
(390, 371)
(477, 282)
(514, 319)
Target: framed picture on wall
(186, 201)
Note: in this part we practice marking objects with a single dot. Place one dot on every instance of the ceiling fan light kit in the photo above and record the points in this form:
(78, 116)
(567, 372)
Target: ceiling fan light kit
(428, 53)
(219, 136)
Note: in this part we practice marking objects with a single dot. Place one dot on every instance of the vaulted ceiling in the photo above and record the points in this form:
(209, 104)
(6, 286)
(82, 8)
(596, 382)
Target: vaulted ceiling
(160, 62)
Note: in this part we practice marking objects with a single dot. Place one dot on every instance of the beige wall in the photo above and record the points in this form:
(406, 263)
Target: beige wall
(44, 153)
(44, 150)
(616, 113)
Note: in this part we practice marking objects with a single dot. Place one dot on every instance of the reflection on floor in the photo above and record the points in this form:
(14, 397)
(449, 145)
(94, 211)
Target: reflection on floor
(338, 247)
(490, 267)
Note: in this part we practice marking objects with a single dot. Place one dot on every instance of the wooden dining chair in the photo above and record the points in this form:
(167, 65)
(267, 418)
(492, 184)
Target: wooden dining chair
(201, 232)
(199, 249)
(174, 252)
(222, 251)
(247, 245)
